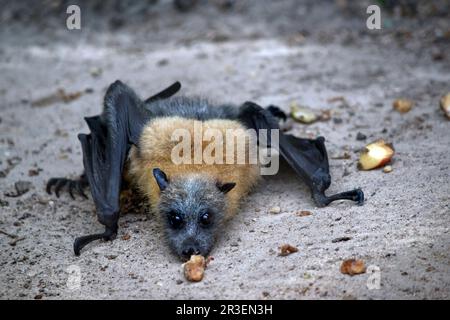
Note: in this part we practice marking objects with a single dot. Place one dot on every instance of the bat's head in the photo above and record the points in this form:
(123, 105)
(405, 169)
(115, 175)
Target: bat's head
(193, 210)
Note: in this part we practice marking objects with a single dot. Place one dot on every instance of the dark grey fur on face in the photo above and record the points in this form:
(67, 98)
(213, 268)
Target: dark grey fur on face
(191, 108)
(193, 210)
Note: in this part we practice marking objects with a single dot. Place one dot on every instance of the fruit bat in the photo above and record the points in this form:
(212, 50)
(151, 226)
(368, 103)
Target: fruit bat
(131, 142)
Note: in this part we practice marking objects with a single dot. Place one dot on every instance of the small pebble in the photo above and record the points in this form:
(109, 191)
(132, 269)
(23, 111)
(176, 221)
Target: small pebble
(96, 72)
(360, 136)
(275, 210)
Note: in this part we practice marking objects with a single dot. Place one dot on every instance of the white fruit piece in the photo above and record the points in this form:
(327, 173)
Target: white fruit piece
(375, 155)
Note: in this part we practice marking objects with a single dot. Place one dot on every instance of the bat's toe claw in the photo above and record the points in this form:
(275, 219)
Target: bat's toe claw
(59, 184)
(71, 188)
(80, 242)
(50, 184)
(359, 197)
(81, 192)
(356, 195)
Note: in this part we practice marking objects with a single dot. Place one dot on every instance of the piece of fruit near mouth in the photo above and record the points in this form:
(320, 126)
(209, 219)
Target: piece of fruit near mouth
(353, 267)
(287, 249)
(194, 269)
(375, 155)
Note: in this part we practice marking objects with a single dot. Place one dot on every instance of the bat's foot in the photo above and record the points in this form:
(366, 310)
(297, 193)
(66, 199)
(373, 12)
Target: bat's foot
(359, 197)
(80, 242)
(356, 195)
(70, 185)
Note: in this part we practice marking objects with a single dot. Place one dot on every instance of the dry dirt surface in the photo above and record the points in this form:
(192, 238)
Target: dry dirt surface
(271, 52)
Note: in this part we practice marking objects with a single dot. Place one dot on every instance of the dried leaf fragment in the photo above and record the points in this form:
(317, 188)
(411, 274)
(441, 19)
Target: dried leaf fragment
(303, 213)
(194, 269)
(126, 237)
(287, 249)
(337, 99)
(375, 155)
(59, 96)
(353, 267)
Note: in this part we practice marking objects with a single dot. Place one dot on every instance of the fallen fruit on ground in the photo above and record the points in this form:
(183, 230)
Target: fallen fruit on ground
(353, 267)
(194, 269)
(275, 210)
(403, 105)
(302, 114)
(287, 249)
(445, 105)
(375, 155)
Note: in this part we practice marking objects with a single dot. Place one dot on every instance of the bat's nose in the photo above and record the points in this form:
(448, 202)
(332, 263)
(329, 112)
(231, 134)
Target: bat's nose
(188, 252)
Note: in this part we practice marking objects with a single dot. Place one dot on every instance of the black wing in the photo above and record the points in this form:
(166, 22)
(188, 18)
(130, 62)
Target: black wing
(106, 148)
(308, 157)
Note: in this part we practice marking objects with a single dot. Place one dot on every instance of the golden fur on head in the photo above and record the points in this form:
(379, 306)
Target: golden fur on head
(156, 147)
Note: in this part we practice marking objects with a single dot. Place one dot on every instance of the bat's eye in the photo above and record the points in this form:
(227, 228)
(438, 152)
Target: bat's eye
(175, 220)
(206, 219)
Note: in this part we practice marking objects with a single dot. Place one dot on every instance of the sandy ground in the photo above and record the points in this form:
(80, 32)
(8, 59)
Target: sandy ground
(402, 231)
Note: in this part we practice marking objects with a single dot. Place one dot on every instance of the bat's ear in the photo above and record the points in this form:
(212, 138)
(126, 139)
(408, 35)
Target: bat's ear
(161, 178)
(225, 187)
